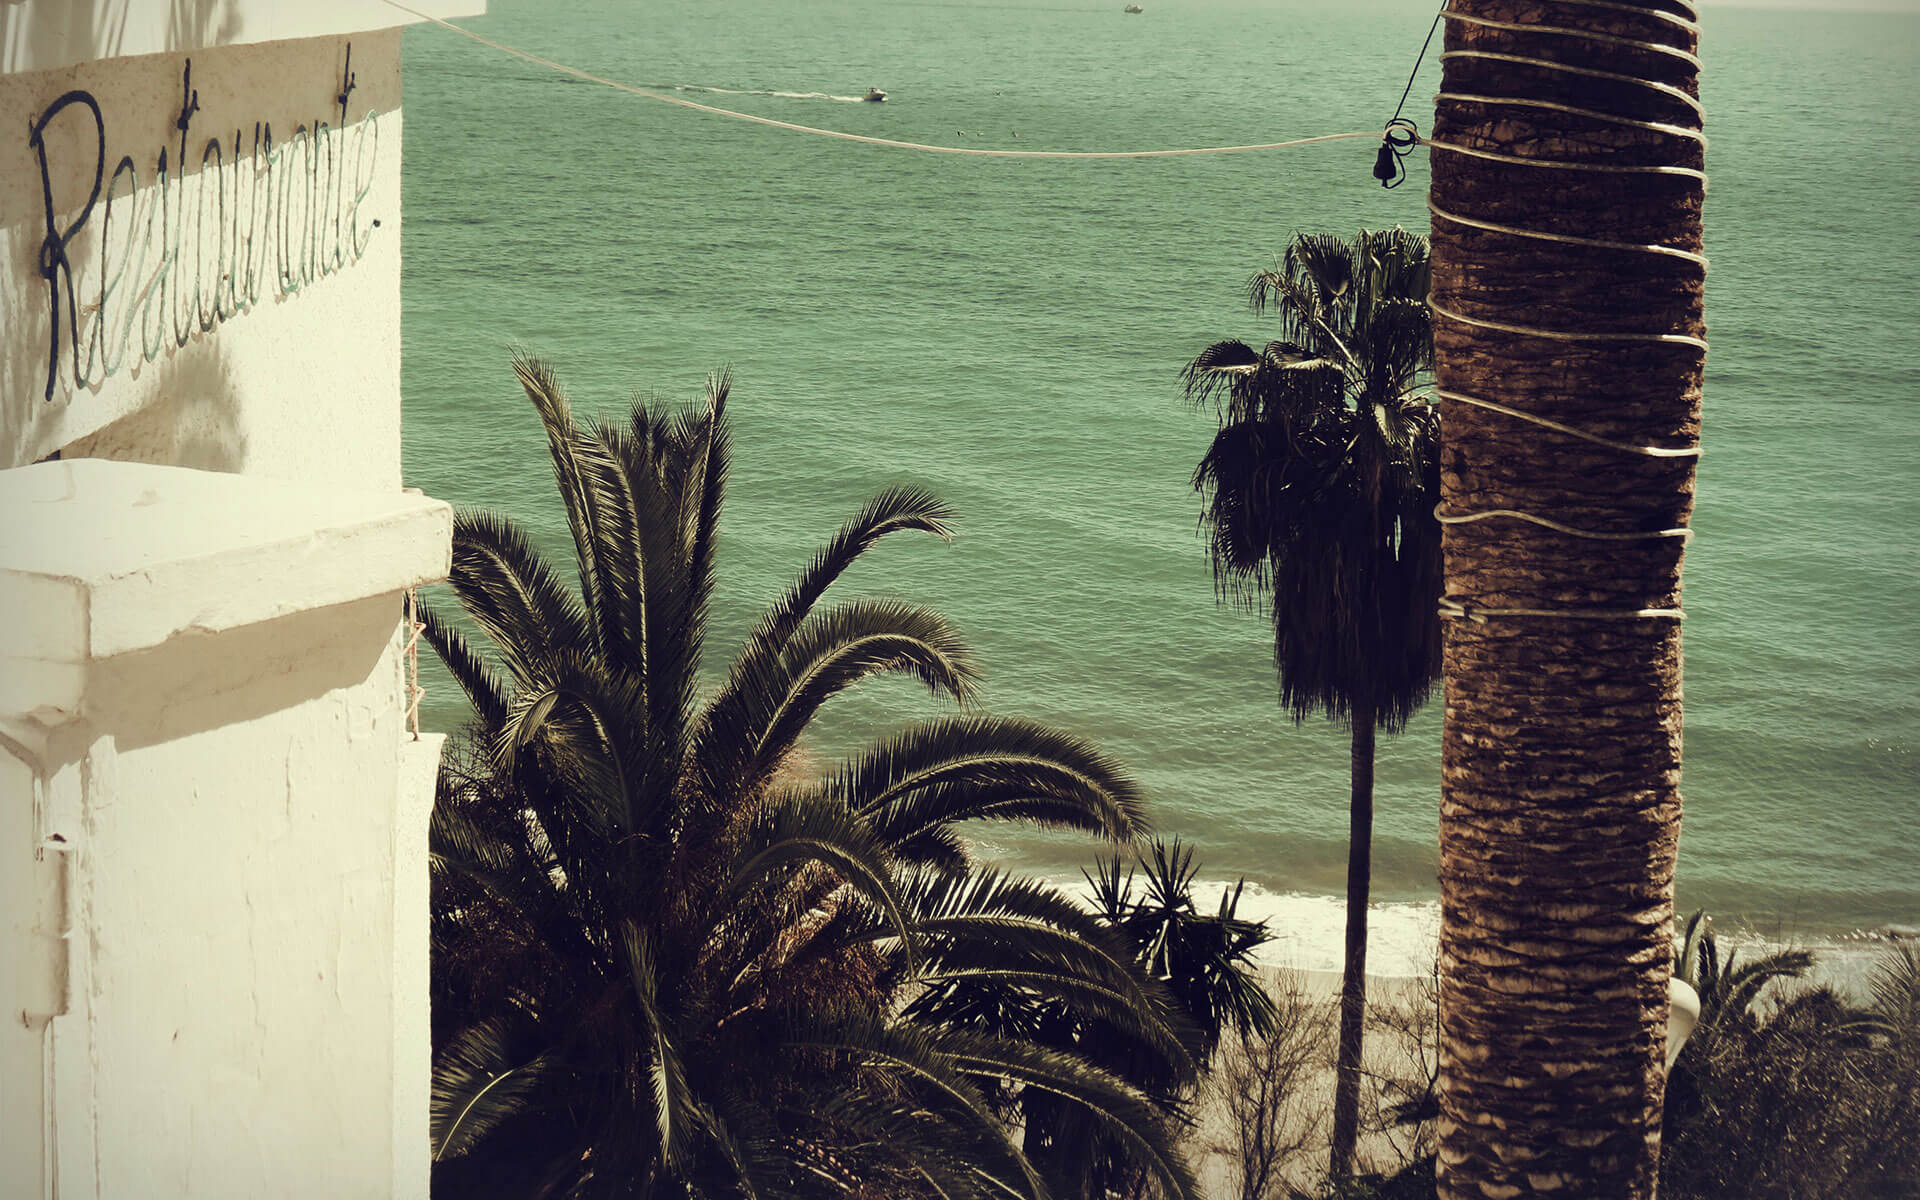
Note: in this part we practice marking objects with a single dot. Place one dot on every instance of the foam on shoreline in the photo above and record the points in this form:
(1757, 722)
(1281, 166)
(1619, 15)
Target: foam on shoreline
(1309, 932)
(1309, 935)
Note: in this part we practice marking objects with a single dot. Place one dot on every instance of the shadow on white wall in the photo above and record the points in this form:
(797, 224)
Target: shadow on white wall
(197, 421)
(40, 31)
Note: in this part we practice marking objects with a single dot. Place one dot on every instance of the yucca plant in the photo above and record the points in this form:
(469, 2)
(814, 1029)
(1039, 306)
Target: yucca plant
(1204, 957)
(671, 961)
(1320, 488)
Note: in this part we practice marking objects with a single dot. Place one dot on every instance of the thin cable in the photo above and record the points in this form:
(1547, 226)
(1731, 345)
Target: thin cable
(1418, 59)
(1569, 430)
(1598, 535)
(415, 693)
(864, 139)
(1402, 135)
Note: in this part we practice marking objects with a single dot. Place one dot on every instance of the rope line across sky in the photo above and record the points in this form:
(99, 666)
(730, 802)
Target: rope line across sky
(864, 139)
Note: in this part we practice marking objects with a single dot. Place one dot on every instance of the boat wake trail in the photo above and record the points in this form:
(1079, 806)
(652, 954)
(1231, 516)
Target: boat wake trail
(720, 91)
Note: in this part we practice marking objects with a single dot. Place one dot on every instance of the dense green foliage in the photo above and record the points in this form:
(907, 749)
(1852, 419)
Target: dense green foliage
(670, 961)
(1790, 1090)
(1203, 958)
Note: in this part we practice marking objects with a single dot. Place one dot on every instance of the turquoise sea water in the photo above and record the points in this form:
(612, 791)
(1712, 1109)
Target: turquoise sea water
(1010, 334)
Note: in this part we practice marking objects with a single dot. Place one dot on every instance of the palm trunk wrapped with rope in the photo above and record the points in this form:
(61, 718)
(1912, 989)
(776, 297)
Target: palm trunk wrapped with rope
(1568, 179)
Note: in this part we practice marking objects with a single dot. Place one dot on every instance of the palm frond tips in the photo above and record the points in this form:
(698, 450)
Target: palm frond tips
(965, 768)
(895, 510)
(1895, 984)
(476, 1086)
(834, 650)
(469, 669)
(511, 592)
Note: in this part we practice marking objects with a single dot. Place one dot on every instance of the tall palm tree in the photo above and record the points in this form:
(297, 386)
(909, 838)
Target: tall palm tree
(1568, 179)
(1320, 488)
(672, 962)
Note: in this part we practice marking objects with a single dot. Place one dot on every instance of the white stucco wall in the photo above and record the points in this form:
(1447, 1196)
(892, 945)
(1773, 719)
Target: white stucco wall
(30, 967)
(205, 779)
(37, 34)
(288, 777)
(219, 750)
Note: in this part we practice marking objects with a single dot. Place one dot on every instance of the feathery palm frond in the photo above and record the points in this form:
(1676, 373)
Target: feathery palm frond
(476, 1087)
(511, 592)
(684, 948)
(1895, 985)
(1120, 1111)
(964, 768)
(469, 668)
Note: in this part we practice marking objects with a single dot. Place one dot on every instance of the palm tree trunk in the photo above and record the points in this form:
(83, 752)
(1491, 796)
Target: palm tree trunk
(1353, 978)
(1560, 800)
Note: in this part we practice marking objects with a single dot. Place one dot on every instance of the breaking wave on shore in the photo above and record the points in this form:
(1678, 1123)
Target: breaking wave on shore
(1309, 934)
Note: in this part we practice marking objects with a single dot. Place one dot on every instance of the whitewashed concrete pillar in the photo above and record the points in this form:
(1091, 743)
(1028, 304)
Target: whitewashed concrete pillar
(213, 825)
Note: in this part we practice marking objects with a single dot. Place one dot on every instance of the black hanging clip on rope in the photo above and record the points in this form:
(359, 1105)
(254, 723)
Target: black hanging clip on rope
(1396, 143)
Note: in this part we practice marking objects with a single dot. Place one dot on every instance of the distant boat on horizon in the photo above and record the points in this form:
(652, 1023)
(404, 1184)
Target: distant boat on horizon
(1133, 8)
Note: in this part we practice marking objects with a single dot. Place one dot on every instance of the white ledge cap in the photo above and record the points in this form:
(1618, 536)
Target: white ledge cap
(99, 558)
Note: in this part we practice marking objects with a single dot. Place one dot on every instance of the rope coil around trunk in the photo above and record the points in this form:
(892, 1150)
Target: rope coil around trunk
(1569, 239)
(1690, 22)
(1455, 609)
(1612, 39)
(1568, 335)
(1598, 535)
(1569, 430)
(1452, 609)
(1671, 130)
(1560, 164)
(1664, 89)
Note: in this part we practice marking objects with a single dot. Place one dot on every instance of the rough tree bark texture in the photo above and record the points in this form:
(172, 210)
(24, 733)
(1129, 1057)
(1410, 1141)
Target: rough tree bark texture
(1560, 806)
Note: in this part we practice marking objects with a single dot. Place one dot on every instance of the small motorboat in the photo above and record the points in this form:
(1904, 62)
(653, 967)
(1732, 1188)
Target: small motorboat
(1133, 8)
(874, 95)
